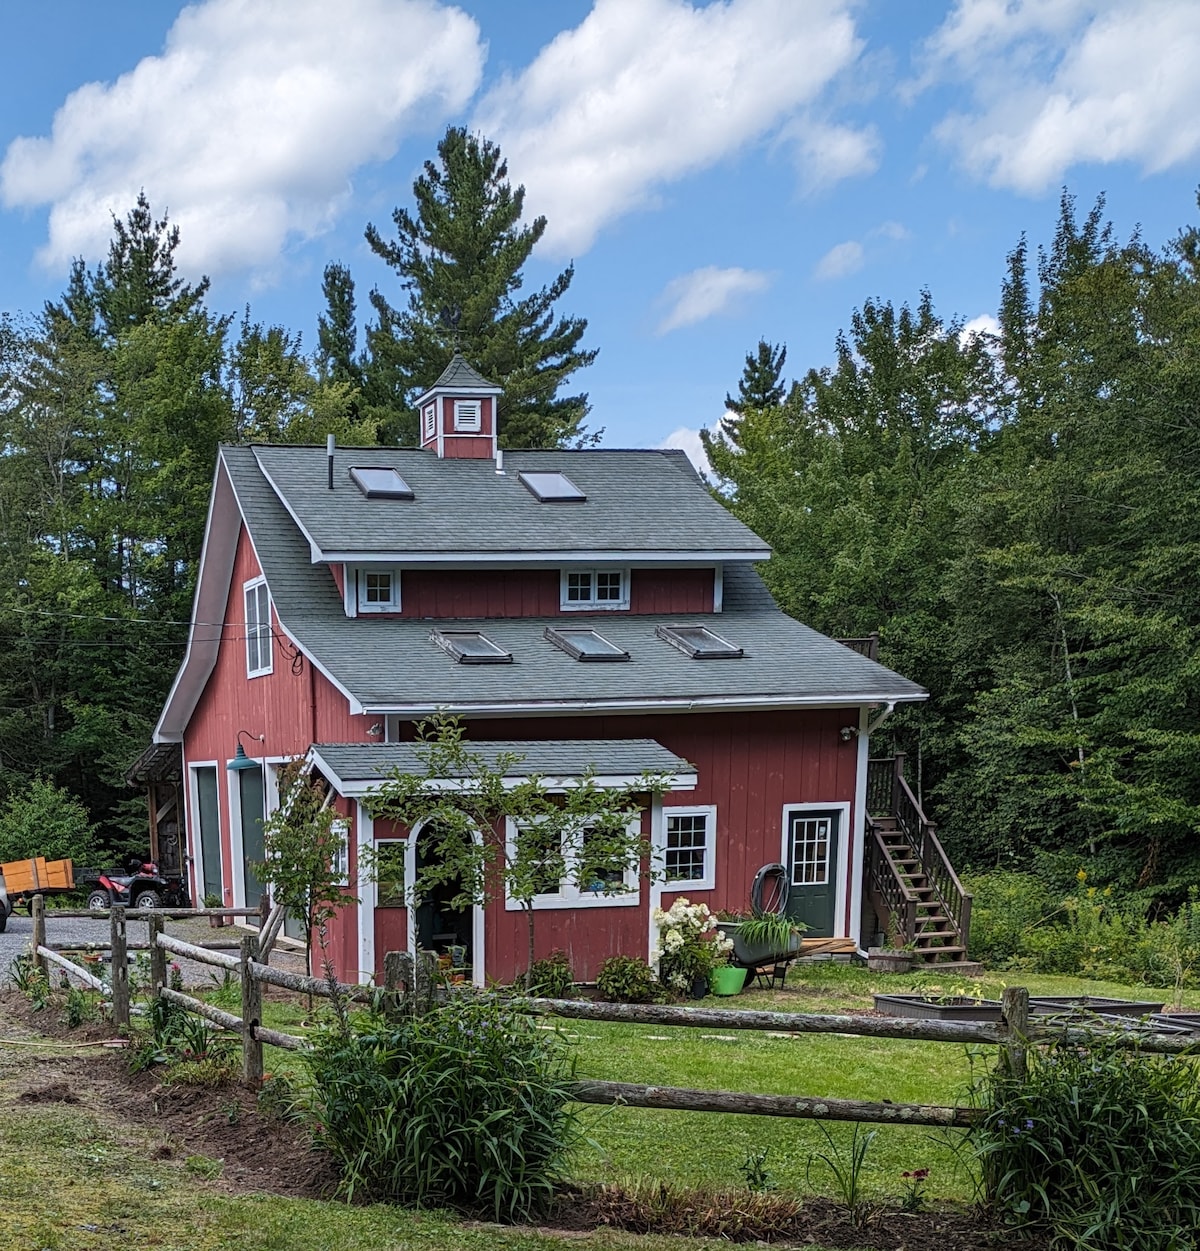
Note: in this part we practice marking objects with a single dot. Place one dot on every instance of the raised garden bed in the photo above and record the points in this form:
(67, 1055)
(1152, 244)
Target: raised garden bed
(956, 1008)
(1057, 1005)
(1173, 1021)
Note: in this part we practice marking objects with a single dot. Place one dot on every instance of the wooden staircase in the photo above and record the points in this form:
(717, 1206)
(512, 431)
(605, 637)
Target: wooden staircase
(910, 882)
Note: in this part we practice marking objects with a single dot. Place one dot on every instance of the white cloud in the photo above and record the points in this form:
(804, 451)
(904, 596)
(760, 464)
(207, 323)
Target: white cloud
(1058, 82)
(688, 438)
(247, 126)
(644, 92)
(986, 324)
(840, 260)
(896, 231)
(706, 292)
(827, 153)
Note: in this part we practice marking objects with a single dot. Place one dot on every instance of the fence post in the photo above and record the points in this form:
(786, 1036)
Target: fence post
(395, 964)
(1015, 1009)
(158, 958)
(120, 968)
(264, 909)
(38, 912)
(252, 1052)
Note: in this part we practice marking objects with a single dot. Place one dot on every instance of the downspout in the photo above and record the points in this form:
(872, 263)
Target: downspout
(880, 718)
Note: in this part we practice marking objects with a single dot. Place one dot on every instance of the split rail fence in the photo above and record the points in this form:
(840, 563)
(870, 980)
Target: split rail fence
(412, 987)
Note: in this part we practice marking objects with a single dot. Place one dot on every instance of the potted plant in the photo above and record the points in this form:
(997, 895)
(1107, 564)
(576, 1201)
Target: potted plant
(726, 978)
(690, 947)
(214, 901)
(758, 938)
(897, 956)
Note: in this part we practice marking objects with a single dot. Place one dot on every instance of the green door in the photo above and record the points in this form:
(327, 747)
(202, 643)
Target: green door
(208, 815)
(812, 870)
(252, 800)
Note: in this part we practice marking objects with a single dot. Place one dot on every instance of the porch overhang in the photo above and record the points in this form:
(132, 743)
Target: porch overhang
(357, 769)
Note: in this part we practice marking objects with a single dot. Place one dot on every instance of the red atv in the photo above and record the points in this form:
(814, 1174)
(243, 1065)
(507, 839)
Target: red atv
(142, 887)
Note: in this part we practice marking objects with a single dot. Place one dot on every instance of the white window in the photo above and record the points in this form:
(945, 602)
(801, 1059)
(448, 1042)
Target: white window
(258, 627)
(339, 867)
(575, 880)
(690, 847)
(378, 590)
(811, 838)
(591, 589)
(468, 416)
(429, 419)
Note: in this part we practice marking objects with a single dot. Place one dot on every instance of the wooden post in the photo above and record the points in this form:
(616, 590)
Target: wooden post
(120, 969)
(158, 958)
(397, 970)
(1015, 1009)
(38, 912)
(252, 1052)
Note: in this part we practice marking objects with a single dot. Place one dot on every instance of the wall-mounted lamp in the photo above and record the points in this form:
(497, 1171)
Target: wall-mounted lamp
(376, 730)
(240, 760)
(847, 732)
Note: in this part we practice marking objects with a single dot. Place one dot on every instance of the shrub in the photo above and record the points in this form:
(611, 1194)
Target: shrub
(465, 1107)
(1007, 907)
(41, 819)
(1100, 1145)
(552, 977)
(690, 946)
(626, 979)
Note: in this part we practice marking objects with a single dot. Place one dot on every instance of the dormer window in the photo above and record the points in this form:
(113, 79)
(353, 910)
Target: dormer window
(586, 590)
(468, 416)
(378, 590)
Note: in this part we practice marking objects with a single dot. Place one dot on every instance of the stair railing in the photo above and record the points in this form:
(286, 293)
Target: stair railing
(887, 887)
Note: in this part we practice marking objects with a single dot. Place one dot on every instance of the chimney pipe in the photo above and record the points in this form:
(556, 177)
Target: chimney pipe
(329, 453)
(499, 461)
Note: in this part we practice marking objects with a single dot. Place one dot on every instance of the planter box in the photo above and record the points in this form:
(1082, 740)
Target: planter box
(885, 960)
(752, 955)
(1177, 1021)
(921, 1008)
(1056, 1005)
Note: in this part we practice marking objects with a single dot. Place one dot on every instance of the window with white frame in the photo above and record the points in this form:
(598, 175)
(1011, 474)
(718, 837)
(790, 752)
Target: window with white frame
(690, 847)
(468, 416)
(429, 420)
(258, 627)
(339, 865)
(578, 874)
(594, 588)
(378, 590)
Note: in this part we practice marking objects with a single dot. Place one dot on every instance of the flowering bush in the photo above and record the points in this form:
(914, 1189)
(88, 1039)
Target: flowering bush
(689, 944)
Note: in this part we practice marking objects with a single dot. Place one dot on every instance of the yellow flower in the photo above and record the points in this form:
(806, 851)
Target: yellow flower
(1081, 876)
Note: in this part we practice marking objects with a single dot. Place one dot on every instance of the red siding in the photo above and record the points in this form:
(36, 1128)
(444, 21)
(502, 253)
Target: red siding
(537, 592)
(339, 577)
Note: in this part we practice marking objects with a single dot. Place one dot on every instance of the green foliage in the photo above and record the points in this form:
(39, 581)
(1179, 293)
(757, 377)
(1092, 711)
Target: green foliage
(754, 1170)
(465, 1107)
(41, 819)
(552, 977)
(459, 258)
(79, 1009)
(772, 930)
(845, 1165)
(689, 945)
(627, 979)
(1100, 1145)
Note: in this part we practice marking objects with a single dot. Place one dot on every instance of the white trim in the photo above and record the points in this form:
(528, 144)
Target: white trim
(362, 607)
(249, 587)
(466, 411)
(314, 547)
(368, 893)
(555, 707)
(532, 557)
(719, 588)
(429, 421)
(449, 391)
(237, 855)
(620, 604)
(860, 831)
(350, 590)
(478, 926)
(709, 880)
(197, 841)
(341, 861)
(842, 870)
(656, 887)
(571, 896)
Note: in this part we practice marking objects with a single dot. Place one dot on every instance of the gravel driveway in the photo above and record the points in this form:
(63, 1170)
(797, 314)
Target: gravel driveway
(19, 934)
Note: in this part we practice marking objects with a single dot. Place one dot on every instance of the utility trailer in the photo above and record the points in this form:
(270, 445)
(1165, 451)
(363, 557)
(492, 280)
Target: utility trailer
(22, 879)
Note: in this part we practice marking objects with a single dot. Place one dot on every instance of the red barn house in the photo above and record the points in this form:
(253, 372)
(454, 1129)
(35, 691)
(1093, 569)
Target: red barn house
(586, 609)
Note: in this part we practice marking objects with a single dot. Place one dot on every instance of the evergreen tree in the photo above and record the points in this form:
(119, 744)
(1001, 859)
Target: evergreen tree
(459, 258)
(760, 386)
(337, 330)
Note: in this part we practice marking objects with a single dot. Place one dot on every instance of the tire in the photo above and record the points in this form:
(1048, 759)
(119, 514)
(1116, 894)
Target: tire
(148, 899)
(3, 917)
(98, 899)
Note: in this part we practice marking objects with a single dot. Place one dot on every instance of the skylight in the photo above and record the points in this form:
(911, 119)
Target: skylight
(698, 642)
(584, 643)
(378, 483)
(471, 647)
(552, 488)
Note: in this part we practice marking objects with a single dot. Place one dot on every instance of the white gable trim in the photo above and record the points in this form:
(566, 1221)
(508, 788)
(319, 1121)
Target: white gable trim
(699, 703)
(313, 546)
(532, 559)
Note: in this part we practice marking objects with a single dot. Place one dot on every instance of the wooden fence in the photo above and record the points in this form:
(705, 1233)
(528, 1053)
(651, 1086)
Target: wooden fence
(411, 987)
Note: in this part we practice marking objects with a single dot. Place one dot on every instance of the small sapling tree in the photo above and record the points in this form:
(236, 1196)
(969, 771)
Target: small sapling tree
(305, 845)
(497, 832)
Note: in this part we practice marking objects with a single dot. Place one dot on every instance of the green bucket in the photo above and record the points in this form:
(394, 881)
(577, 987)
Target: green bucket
(727, 980)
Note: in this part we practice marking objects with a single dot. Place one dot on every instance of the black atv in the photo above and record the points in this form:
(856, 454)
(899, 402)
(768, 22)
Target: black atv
(142, 887)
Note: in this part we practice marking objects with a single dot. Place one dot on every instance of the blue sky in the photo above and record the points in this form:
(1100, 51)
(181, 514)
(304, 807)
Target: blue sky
(718, 172)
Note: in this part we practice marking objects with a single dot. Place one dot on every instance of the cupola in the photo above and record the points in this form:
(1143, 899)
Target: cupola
(457, 415)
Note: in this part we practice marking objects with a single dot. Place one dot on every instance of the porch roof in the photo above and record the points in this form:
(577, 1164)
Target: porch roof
(355, 768)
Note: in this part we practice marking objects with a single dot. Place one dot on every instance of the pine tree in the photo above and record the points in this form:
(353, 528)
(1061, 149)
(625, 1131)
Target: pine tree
(337, 330)
(459, 258)
(760, 386)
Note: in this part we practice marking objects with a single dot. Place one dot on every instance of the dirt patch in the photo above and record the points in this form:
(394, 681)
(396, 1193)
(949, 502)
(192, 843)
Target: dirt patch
(55, 1092)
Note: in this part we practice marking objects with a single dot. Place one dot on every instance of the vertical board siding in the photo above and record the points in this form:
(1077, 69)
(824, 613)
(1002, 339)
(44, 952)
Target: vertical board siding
(670, 590)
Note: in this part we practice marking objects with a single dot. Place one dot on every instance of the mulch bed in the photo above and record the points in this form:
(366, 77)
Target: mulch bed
(266, 1155)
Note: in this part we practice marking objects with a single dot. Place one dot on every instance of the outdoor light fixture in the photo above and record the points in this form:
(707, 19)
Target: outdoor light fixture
(846, 733)
(241, 761)
(376, 730)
